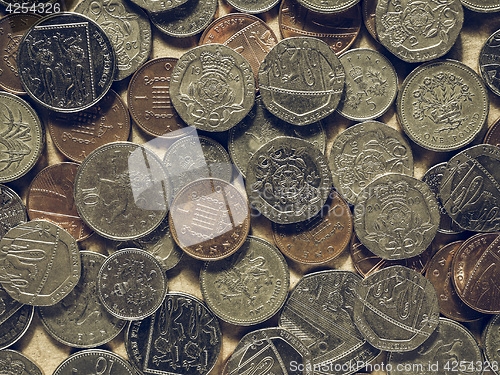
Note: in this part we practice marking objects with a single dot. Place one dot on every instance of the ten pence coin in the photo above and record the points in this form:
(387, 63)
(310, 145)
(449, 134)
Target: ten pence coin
(492, 137)
(491, 341)
(14, 362)
(12, 210)
(94, 361)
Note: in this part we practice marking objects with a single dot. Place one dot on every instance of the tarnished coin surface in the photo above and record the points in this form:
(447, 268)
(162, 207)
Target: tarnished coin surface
(94, 361)
(14, 362)
(396, 216)
(491, 343)
(396, 309)
(371, 84)
(482, 6)
(365, 151)
(131, 284)
(301, 80)
(182, 338)
(288, 180)
(155, 6)
(12, 210)
(121, 191)
(66, 62)
(260, 127)
(492, 137)
(253, 6)
(128, 29)
(450, 345)
(212, 87)
(476, 273)
(209, 219)
(320, 239)
(328, 6)
(320, 312)
(22, 137)
(274, 350)
(80, 320)
(50, 197)
(418, 31)
(39, 263)
(470, 188)
(368, 9)
(14, 323)
(249, 287)
(488, 62)
(442, 105)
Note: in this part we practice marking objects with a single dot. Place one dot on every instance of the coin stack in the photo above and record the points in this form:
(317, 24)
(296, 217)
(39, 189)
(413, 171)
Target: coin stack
(306, 187)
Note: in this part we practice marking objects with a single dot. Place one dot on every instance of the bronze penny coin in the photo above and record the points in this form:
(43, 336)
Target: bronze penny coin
(12, 28)
(149, 100)
(338, 30)
(50, 197)
(78, 134)
(246, 34)
(209, 219)
(320, 239)
(439, 274)
(476, 272)
(493, 135)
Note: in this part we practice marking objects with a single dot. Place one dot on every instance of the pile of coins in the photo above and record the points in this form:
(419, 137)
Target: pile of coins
(246, 149)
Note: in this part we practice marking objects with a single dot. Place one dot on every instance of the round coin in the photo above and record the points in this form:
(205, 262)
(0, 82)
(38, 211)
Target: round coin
(253, 6)
(482, 6)
(15, 319)
(66, 62)
(413, 39)
(396, 216)
(131, 284)
(328, 6)
(476, 274)
(80, 320)
(365, 151)
(39, 263)
(442, 105)
(12, 210)
(121, 191)
(94, 361)
(14, 362)
(263, 281)
(470, 188)
(488, 62)
(368, 9)
(491, 342)
(155, 6)
(212, 87)
(396, 309)
(209, 219)
(22, 137)
(292, 80)
(492, 137)
(288, 180)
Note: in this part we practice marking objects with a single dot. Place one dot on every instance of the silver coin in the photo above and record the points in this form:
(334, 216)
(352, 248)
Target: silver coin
(94, 361)
(12, 210)
(15, 319)
(253, 6)
(488, 62)
(491, 344)
(16, 363)
(482, 6)
(159, 5)
(328, 6)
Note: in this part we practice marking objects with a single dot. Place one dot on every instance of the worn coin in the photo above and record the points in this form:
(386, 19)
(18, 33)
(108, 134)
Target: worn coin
(418, 31)
(288, 180)
(187, 19)
(94, 361)
(159, 6)
(260, 127)
(368, 8)
(491, 343)
(16, 363)
(22, 137)
(319, 312)
(470, 188)
(127, 27)
(301, 80)
(50, 197)
(121, 191)
(66, 62)
(182, 338)
(450, 345)
(365, 151)
(492, 137)
(476, 274)
(131, 284)
(78, 134)
(249, 287)
(14, 322)
(39, 263)
(272, 351)
(488, 62)
(442, 105)
(212, 87)
(371, 84)
(12, 28)
(338, 30)
(80, 320)
(12, 210)
(209, 219)
(396, 309)
(439, 274)
(253, 6)
(319, 239)
(328, 6)
(396, 216)
(482, 6)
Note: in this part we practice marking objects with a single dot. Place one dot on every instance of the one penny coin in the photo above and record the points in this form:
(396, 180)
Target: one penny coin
(493, 135)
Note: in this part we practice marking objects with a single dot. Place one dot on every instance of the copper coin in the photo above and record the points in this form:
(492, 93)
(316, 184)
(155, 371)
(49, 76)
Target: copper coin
(50, 197)
(476, 272)
(12, 28)
(320, 239)
(367, 263)
(246, 34)
(149, 99)
(439, 274)
(493, 135)
(209, 219)
(368, 8)
(78, 134)
(337, 30)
